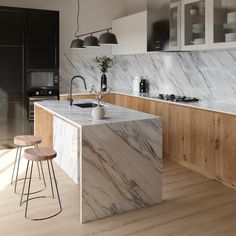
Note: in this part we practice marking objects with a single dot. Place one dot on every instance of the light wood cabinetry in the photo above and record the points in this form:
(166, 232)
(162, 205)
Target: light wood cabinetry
(43, 126)
(200, 140)
(203, 141)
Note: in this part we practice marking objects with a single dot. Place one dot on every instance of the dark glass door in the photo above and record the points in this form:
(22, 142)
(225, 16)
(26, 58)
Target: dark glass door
(43, 26)
(42, 56)
(12, 26)
(12, 102)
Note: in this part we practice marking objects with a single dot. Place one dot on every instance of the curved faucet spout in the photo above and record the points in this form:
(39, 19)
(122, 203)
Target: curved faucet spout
(71, 83)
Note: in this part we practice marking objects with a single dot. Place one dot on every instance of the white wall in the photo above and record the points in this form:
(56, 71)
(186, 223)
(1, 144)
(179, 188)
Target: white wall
(134, 6)
(94, 15)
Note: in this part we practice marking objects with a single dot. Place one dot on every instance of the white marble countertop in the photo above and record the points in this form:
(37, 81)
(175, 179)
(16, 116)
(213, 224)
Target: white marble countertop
(226, 106)
(82, 116)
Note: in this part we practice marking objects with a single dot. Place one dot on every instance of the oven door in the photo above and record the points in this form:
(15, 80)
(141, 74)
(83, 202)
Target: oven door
(31, 102)
(45, 79)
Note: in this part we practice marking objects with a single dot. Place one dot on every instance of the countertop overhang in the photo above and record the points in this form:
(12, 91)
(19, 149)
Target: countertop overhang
(82, 116)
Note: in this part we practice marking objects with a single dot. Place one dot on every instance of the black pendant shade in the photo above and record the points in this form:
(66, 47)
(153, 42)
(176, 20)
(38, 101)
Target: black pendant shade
(77, 43)
(108, 38)
(91, 41)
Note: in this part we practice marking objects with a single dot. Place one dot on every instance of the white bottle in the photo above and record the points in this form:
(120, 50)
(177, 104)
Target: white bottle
(136, 82)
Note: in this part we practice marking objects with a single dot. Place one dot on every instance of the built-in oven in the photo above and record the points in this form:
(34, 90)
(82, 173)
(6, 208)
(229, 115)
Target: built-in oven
(42, 84)
(42, 78)
(32, 100)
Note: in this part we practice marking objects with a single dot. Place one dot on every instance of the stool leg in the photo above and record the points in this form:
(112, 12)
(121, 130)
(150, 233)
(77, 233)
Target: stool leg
(39, 171)
(50, 176)
(13, 172)
(55, 180)
(43, 174)
(36, 146)
(18, 166)
(23, 189)
(28, 192)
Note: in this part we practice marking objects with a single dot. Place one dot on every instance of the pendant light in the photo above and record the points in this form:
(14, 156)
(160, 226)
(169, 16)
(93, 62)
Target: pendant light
(77, 42)
(91, 41)
(108, 38)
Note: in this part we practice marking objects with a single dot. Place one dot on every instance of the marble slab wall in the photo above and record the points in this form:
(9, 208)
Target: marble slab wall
(66, 143)
(121, 169)
(205, 74)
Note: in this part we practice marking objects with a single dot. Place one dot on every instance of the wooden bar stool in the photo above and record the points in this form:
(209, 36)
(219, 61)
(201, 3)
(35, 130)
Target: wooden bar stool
(39, 155)
(21, 142)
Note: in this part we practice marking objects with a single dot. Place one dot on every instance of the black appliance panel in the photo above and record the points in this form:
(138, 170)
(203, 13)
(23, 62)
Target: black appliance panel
(38, 79)
(43, 26)
(43, 92)
(11, 72)
(12, 26)
(42, 56)
(12, 102)
(34, 99)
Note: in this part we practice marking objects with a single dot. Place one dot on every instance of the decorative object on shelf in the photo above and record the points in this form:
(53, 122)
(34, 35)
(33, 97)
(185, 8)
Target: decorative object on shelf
(98, 112)
(136, 82)
(107, 38)
(143, 86)
(104, 64)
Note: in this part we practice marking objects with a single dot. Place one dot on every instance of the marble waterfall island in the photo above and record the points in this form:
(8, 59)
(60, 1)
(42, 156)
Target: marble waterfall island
(116, 162)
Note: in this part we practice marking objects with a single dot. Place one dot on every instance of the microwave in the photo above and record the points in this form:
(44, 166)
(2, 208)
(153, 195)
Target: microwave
(46, 79)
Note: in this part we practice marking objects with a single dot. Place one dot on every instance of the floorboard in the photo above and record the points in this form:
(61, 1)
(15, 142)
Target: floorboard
(193, 205)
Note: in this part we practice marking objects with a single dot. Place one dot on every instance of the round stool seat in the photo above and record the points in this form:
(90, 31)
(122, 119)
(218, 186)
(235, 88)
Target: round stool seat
(27, 140)
(39, 154)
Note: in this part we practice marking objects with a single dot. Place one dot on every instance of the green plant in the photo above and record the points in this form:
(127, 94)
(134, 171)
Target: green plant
(105, 63)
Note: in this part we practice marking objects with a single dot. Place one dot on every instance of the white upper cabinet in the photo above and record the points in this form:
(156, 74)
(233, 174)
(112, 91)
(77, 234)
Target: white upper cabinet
(224, 23)
(195, 25)
(131, 32)
(175, 26)
(208, 24)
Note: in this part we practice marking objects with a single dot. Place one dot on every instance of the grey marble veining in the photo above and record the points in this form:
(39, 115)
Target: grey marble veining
(204, 74)
(66, 143)
(121, 167)
(117, 161)
(82, 116)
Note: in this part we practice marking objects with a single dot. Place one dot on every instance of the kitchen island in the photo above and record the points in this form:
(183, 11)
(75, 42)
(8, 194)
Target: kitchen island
(116, 162)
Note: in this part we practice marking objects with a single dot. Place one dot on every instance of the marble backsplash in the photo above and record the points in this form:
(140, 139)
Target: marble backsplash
(205, 74)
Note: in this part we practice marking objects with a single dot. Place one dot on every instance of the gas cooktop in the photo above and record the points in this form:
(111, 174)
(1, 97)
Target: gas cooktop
(175, 98)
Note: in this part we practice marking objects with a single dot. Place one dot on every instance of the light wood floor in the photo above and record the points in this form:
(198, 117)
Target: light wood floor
(193, 205)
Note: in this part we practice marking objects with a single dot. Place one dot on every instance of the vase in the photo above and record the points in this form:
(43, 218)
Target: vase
(98, 113)
(104, 83)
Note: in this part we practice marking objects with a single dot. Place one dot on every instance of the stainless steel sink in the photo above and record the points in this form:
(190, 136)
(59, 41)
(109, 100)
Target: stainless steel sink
(87, 105)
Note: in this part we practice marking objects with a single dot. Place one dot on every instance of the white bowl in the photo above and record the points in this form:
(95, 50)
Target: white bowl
(231, 20)
(199, 41)
(198, 31)
(230, 35)
(231, 14)
(199, 25)
(230, 40)
(230, 26)
(231, 17)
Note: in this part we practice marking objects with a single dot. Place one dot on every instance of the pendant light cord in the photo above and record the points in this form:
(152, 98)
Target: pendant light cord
(78, 12)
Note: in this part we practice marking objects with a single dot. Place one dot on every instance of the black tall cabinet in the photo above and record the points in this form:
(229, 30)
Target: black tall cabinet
(29, 39)
(43, 39)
